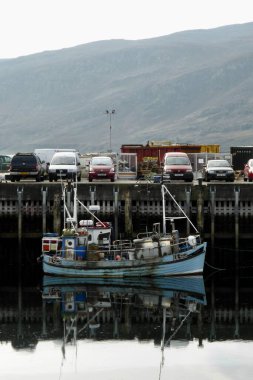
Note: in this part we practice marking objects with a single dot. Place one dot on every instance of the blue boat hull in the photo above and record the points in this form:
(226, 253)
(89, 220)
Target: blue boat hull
(191, 263)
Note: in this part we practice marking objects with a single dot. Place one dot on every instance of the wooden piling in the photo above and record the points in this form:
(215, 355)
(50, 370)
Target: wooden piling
(20, 197)
(116, 213)
(187, 210)
(212, 212)
(92, 195)
(236, 211)
(57, 213)
(128, 214)
(200, 209)
(44, 209)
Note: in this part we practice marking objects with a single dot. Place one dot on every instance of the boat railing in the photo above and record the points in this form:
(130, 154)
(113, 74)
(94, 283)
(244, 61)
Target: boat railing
(147, 234)
(124, 244)
(155, 232)
(114, 253)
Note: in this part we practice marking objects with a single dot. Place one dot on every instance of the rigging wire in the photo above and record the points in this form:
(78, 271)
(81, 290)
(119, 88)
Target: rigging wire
(211, 266)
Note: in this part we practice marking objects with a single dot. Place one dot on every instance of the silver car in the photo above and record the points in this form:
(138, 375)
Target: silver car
(220, 170)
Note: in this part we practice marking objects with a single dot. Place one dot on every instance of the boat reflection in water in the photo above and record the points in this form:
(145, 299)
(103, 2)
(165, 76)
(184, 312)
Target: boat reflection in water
(86, 307)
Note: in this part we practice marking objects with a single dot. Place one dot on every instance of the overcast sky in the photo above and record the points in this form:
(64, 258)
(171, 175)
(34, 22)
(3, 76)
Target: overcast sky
(30, 26)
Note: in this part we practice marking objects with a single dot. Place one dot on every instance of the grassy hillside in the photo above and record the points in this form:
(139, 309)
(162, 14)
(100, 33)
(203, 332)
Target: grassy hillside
(193, 86)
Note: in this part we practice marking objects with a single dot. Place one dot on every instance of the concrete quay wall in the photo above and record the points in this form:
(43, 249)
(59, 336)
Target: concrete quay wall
(125, 200)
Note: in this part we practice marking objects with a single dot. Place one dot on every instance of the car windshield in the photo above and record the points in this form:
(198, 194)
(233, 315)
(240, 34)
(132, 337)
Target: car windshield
(27, 159)
(63, 160)
(101, 161)
(177, 161)
(218, 163)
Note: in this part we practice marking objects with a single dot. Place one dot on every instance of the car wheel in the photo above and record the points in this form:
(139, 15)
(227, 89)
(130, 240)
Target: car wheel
(12, 179)
(38, 178)
(245, 179)
(112, 179)
(79, 179)
(90, 179)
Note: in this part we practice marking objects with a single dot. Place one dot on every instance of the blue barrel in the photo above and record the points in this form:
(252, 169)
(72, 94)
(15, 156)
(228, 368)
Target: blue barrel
(81, 253)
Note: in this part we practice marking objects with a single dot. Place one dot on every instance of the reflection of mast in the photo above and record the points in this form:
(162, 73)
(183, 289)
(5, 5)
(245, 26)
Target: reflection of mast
(162, 342)
(191, 308)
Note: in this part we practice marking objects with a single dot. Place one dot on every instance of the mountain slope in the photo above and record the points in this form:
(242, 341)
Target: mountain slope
(193, 86)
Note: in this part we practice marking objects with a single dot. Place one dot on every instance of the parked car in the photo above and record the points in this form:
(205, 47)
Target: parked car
(65, 165)
(176, 165)
(27, 165)
(248, 171)
(101, 167)
(5, 162)
(218, 170)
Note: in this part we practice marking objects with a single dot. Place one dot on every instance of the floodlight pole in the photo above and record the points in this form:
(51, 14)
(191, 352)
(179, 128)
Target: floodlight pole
(110, 113)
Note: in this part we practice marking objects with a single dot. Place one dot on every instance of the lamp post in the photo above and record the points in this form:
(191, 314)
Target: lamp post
(110, 113)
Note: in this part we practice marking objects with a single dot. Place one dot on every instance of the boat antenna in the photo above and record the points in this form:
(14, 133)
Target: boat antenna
(165, 190)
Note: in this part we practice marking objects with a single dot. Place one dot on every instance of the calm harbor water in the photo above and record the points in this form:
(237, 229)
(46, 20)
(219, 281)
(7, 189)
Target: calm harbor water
(194, 328)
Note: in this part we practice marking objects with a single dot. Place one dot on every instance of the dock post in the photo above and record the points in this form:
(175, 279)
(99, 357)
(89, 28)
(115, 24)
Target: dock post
(116, 213)
(44, 209)
(92, 195)
(237, 285)
(69, 197)
(237, 192)
(187, 211)
(57, 213)
(128, 214)
(212, 211)
(20, 197)
(200, 209)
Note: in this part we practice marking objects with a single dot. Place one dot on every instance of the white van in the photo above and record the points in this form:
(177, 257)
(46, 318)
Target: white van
(65, 165)
(46, 154)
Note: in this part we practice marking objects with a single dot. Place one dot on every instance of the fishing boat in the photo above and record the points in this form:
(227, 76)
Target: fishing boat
(84, 249)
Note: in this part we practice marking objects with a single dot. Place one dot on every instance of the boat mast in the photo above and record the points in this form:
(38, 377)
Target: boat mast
(165, 190)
